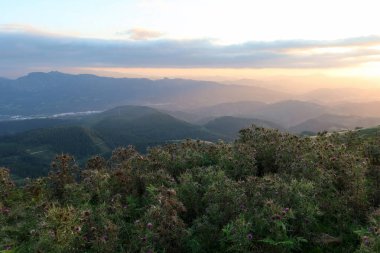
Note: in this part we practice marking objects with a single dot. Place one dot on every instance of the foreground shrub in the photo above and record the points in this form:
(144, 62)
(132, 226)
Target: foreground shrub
(266, 192)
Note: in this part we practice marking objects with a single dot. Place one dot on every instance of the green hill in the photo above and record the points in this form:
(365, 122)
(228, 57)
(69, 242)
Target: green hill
(143, 127)
(29, 153)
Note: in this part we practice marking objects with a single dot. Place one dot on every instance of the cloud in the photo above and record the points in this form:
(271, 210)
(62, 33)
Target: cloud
(18, 28)
(142, 34)
(26, 29)
(24, 50)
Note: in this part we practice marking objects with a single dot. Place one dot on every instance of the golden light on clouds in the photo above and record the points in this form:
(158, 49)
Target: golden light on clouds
(226, 73)
(321, 50)
(368, 70)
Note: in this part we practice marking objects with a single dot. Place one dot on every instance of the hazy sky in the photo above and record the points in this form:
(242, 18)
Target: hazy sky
(199, 37)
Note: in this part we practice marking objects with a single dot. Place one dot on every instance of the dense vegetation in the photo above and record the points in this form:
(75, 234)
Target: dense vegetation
(266, 192)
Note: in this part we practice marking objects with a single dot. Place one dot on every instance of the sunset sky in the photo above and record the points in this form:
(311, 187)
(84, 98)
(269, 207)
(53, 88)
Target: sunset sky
(198, 38)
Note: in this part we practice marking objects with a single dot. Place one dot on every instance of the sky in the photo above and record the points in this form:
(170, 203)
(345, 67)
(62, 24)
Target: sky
(198, 38)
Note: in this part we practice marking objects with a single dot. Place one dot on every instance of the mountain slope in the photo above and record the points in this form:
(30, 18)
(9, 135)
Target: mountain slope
(365, 109)
(331, 122)
(230, 126)
(290, 113)
(230, 109)
(19, 126)
(30, 153)
(125, 125)
(341, 95)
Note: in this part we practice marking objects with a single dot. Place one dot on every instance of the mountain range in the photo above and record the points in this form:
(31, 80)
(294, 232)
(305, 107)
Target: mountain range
(87, 115)
(55, 92)
(41, 94)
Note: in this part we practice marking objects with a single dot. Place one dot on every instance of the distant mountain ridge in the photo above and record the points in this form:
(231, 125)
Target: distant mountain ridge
(55, 92)
(293, 115)
(285, 113)
(43, 94)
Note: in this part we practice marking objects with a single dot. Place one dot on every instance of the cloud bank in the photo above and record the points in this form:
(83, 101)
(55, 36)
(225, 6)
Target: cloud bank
(22, 50)
(141, 34)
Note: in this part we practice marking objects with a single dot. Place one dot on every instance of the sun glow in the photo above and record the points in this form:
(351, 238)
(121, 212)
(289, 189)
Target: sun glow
(366, 70)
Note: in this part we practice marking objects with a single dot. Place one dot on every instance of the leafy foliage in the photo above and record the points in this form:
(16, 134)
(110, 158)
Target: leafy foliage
(266, 192)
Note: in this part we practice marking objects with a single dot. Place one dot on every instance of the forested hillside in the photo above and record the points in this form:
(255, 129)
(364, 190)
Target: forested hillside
(29, 151)
(266, 192)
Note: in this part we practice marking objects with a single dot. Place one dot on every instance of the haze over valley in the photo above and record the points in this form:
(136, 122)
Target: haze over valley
(55, 95)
